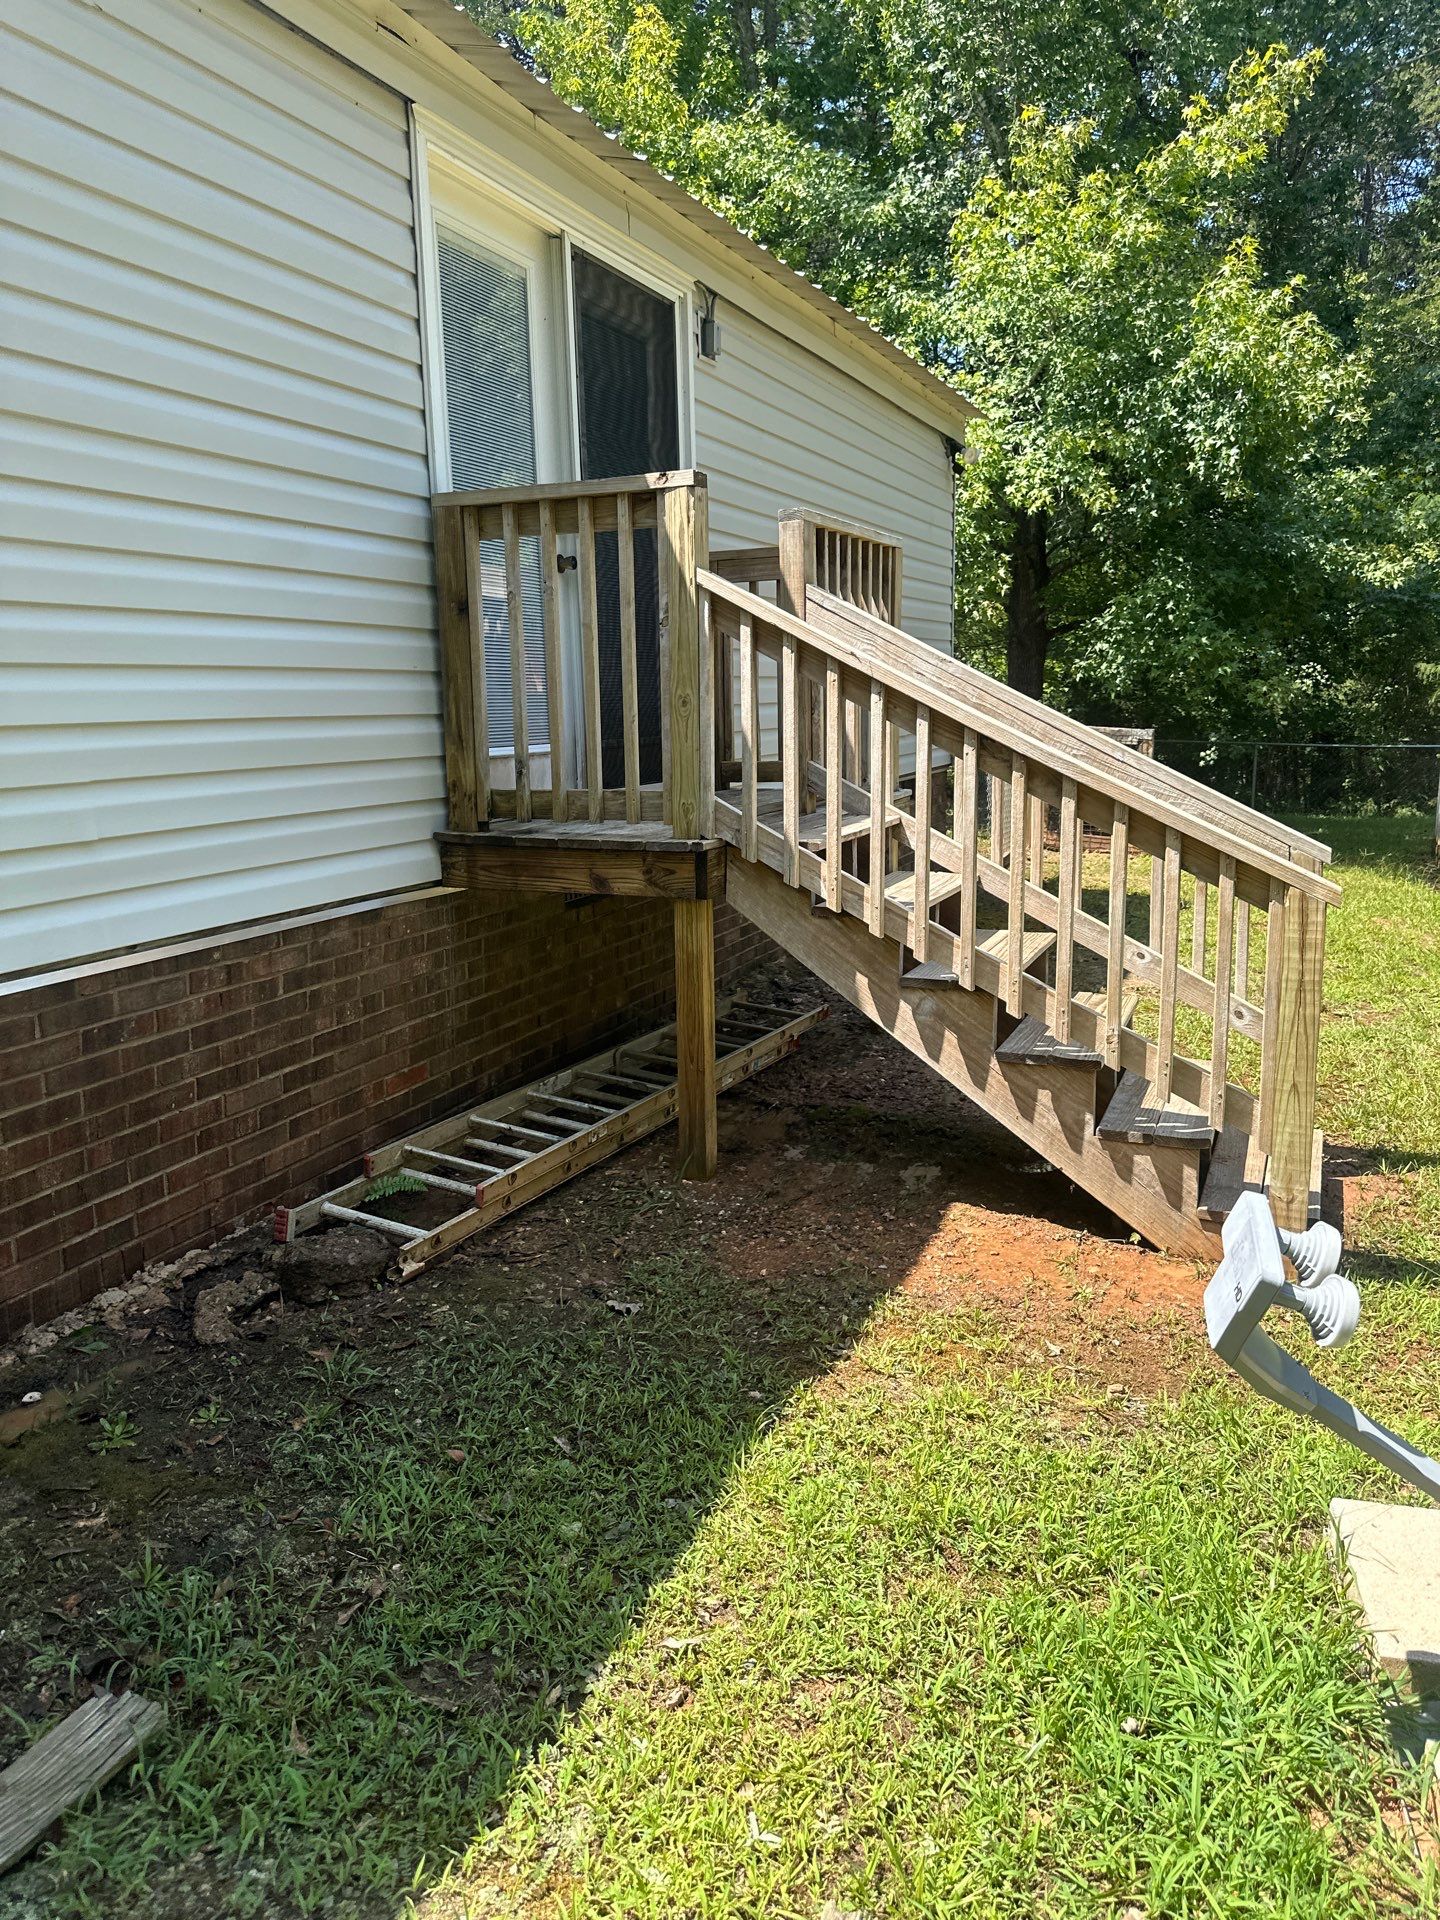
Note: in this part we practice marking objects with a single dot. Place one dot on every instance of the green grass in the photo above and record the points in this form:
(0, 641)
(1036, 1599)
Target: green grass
(753, 1603)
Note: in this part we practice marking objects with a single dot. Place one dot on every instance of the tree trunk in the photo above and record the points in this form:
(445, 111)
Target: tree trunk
(1027, 619)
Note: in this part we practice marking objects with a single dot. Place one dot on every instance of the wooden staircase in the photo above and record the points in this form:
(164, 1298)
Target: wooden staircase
(1118, 963)
(1004, 889)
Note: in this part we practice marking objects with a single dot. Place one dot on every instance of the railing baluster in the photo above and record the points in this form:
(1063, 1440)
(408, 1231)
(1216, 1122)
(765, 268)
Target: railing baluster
(515, 623)
(1037, 841)
(1015, 949)
(875, 885)
(749, 743)
(1270, 1037)
(920, 939)
(1242, 949)
(1065, 910)
(834, 742)
(629, 686)
(554, 669)
(1157, 902)
(1220, 1031)
(1200, 927)
(967, 829)
(1115, 957)
(589, 656)
(1169, 967)
(792, 772)
(475, 602)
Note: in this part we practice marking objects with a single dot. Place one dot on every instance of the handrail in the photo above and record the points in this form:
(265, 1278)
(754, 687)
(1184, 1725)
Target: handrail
(876, 681)
(1028, 726)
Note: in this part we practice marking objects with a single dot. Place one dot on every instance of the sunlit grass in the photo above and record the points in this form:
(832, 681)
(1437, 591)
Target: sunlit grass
(780, 1607)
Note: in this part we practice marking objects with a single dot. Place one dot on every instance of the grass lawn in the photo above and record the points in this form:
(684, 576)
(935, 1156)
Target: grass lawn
(903, 1552)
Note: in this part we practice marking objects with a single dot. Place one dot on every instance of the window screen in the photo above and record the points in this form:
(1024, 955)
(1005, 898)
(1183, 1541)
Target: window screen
(485, 324)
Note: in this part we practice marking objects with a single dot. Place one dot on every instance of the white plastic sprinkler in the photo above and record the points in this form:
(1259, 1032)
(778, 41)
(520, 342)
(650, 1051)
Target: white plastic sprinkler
(1249, 1281)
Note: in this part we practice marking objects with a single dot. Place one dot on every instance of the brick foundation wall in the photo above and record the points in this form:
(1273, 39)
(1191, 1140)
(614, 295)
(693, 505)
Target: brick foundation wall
(152, 1107)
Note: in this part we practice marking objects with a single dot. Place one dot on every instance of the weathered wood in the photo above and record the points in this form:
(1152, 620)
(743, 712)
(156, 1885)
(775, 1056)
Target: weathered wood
(1293, 1040)
(967, 833)
(554, 665)
(920, 939)
(1115, 933)
(684, 542)
(833, 807)
(659, 872)
(749, 738)
(875, 884)
(695, 1038)
(1069, 889)
(464, 753)
(1136, 1113)
(515, 629)
(1169, 968)
(589, 657)
(1220, 1023)
(792, 772)
(71, 1761)
(952, 1032)
(629, 681)
(1019, 810)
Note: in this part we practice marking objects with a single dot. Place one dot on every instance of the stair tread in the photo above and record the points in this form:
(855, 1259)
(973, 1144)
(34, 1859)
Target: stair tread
(815, 827)
(900, 887)
(928, 973)
(997, 945)
(1237, 1166)
(1033, 1044)
(1132, 1115)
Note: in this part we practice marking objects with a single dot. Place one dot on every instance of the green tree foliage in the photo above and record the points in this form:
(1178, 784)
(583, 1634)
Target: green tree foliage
(1196, 288)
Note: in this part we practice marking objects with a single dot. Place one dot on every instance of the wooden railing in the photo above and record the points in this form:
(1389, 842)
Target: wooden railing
(502, 560)
(997, 777)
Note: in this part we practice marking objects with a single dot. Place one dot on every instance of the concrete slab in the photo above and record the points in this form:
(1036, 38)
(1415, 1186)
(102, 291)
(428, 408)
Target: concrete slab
(1391, 1557)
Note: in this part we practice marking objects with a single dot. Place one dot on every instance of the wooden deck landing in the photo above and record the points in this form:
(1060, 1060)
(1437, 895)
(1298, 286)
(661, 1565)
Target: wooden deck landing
(639, 860)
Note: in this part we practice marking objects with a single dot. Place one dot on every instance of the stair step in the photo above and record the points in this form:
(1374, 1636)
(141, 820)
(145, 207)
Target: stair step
(997, 945)
(928, 973)
(900, 888)
(815, 830)
(1032, 1044)
(1132, 1115)
(1237, 1166)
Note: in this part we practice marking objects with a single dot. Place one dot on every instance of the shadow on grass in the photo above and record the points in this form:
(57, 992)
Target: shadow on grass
(447, 1536)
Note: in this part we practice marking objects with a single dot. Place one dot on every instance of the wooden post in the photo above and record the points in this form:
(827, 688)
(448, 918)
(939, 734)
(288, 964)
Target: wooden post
(684, 546)
(1293, 1037)
(459, 667)
(695, 1037)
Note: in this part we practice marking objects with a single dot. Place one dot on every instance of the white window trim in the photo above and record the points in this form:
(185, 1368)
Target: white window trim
(574, 226)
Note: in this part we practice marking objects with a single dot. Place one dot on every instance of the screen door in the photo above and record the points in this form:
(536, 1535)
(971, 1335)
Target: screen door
(629, 422)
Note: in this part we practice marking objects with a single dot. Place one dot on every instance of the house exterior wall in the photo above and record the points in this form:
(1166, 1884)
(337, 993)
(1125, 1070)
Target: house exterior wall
(219, 674)
(220, 684)
(148, 1108)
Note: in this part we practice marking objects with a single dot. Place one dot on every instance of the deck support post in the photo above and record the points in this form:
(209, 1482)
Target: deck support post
(1295, 1039)
(695, 1037)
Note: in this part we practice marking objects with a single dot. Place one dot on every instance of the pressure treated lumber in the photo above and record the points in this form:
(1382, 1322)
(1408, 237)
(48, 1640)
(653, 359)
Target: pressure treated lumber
(695, 1038)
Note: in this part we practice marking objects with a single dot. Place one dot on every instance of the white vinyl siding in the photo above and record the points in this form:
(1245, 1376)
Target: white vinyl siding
(778, 427)
(219, 693)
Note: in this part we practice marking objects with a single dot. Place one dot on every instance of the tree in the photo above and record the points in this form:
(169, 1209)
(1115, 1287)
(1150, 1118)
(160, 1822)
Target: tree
(1268, 559)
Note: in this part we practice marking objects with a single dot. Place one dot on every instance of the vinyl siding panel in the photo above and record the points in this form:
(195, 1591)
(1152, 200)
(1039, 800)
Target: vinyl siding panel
(217, 651)
(778, 427)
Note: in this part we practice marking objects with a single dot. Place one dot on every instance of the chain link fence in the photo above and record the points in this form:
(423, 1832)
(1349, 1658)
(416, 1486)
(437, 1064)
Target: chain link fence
(1315, 776)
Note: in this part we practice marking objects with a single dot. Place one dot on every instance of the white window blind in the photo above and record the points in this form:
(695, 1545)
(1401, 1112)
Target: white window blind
(485, 324)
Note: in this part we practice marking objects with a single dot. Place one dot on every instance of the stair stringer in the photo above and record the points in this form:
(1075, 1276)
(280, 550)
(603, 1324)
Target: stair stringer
(953, 1031)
